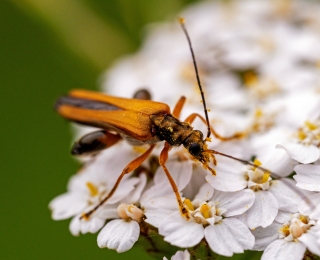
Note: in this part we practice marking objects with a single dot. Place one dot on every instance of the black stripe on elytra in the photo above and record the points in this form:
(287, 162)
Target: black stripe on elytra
(84, 103)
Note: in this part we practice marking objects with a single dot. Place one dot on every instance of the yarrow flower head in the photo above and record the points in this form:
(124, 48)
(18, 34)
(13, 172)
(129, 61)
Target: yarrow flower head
(292, 234)
(252, 185)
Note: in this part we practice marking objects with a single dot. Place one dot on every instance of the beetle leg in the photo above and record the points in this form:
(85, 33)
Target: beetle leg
(129, 168)
(162, 160)
(178, 107)
(193, 116)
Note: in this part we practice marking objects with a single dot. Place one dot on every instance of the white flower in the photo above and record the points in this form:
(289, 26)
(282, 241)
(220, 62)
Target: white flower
(259, 66)
(211, 218)
(121, 234)
(270, 195)
(305, 146)
(300, 231)
(88, 187)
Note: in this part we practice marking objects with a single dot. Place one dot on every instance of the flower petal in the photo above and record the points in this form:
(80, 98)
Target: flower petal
(134, 196)
(235, 202)
(180, 255)
(263, 211)
(67, 205)
(107, 211)
(228, 237)
(308, 177)
(119, 235)
(180, 232)
(312, 239)
(125, 187)
(181, 172)
(229, 176)
(310, 206)
(283, 216)
(92, 225)
(278, 162)
(156, 210)
(302, 153)
(205, 193)
(198, 178)
(287, 194)
(265, 236)
(281, 249)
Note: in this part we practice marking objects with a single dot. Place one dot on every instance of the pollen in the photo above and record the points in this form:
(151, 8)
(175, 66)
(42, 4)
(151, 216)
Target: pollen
(92, 189)
(310, 125)
(301, 135)
(189, 205)
(257, 162)
(304, 219)
(205, 210)
(285, 230)
(265, 177)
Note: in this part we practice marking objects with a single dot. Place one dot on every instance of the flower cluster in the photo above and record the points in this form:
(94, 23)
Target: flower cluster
(259, 65)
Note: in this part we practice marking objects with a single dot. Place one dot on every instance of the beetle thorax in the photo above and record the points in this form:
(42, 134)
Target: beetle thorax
(170, 129)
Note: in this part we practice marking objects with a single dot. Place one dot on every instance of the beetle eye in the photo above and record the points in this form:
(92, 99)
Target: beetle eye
(195, 149)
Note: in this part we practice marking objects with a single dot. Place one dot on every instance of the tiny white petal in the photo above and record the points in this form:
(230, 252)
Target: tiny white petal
(67, 205)
(302, 153)
(308, 177)
(283, 216)
(119, 235)
(122, 191)
(156, 210)
(181, 172)
(156, 191)
(311, 239)
(265, 236)
(134, 196)
(228, 237)
(198, 178)
(74, 226)
(205, 193)
(287, 194)
(229, 176)
(282, 250)
(263, 211)
(180, 232)
(92, 225)
(279, 162)
(235, 202)
(310, 206)
(107, 212)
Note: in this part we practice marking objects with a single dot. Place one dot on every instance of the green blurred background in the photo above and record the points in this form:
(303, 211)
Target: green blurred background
(48, 47)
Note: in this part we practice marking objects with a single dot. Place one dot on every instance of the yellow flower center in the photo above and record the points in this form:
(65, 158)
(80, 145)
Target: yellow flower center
(309, 133)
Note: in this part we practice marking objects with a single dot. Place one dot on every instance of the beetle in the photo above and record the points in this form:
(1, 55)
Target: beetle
(140, 121)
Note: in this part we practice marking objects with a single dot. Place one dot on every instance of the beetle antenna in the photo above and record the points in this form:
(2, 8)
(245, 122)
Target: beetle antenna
(275, 175)
(182, 22)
